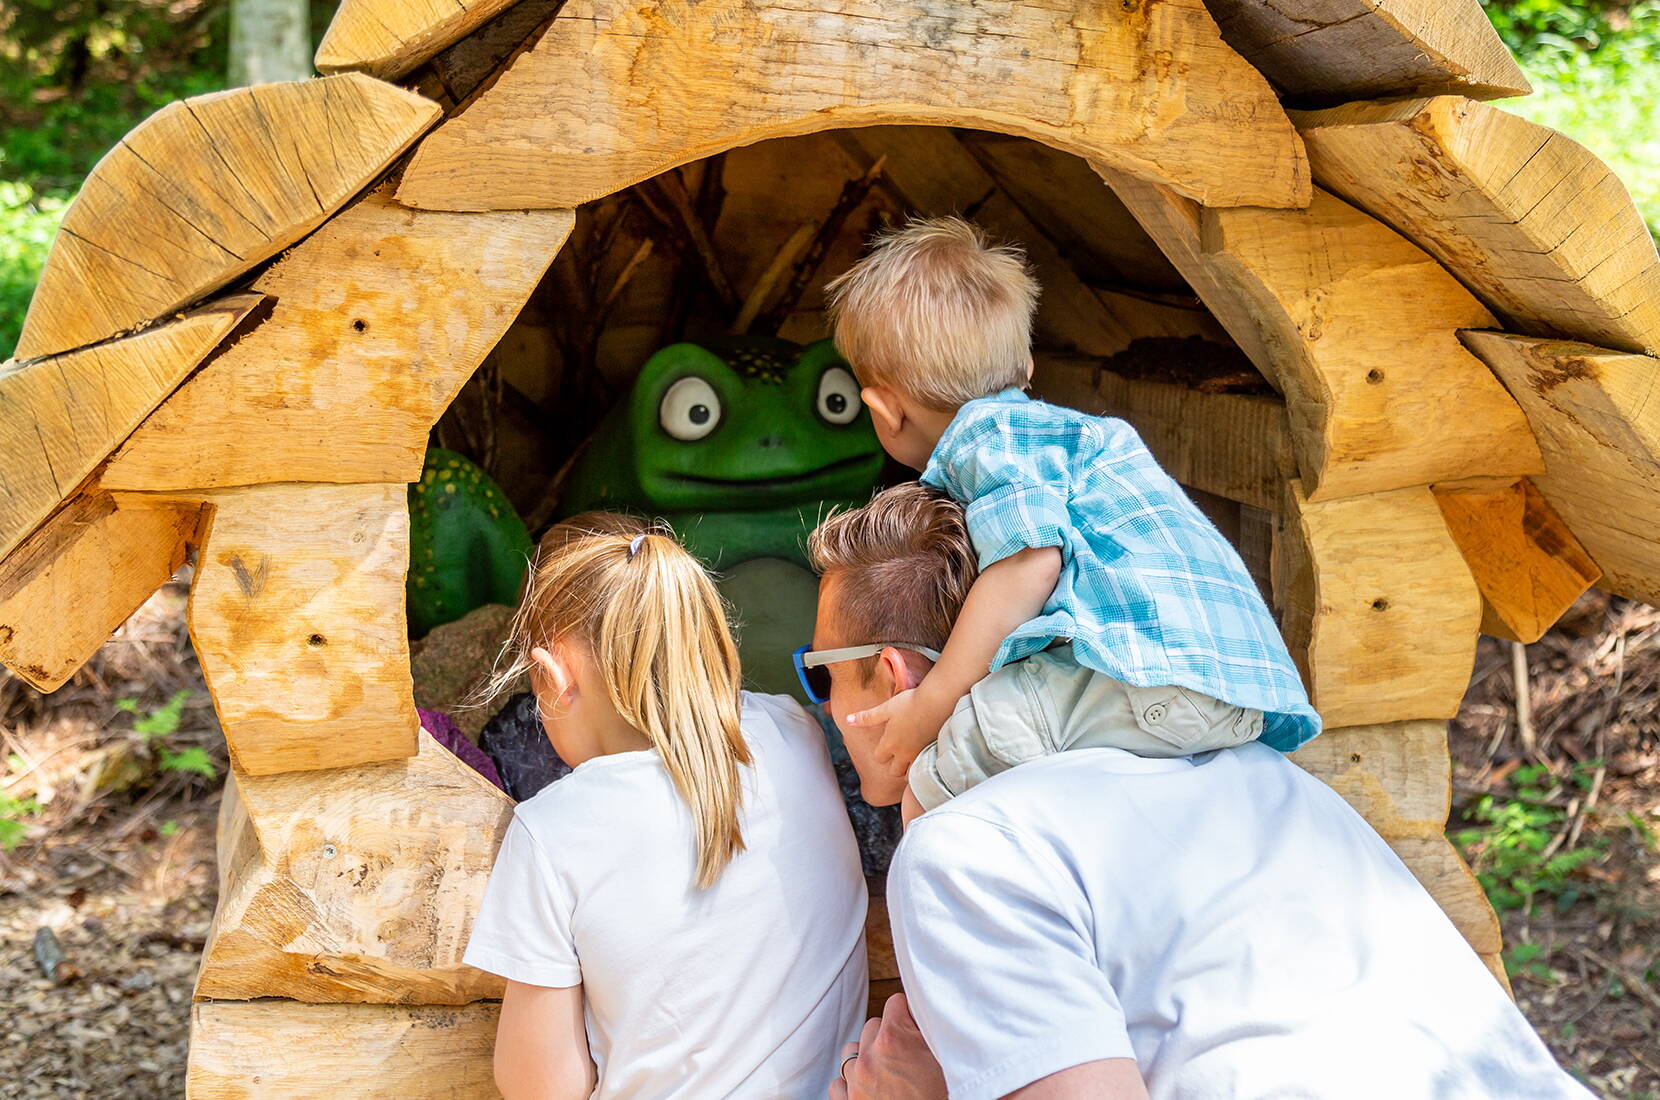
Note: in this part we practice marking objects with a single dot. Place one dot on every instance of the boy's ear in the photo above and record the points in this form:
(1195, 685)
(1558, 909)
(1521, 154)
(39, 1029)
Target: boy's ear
(1030, 366)
(896, 670)
(885, 408)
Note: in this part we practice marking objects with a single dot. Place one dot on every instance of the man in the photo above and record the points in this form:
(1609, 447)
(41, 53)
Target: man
(1100, 924)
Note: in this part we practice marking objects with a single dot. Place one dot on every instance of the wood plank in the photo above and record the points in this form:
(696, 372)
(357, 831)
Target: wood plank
(1397, 775)
(1599, 427)
(1443, 872)
(1525, 560)
(297, 1051)
(1334, 51)
(361, 885)
(387, 39)
(1392, 611)
(80, 576)
(205, 189)
(380, 317)
(1150, 88)
(1232, 445)
(1529, 219)
(61, 416)
(1357, 327)
(297, 616)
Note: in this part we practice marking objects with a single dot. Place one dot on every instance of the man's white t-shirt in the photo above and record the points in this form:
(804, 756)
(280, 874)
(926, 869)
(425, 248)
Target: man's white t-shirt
(1226, 920)
(746, 989)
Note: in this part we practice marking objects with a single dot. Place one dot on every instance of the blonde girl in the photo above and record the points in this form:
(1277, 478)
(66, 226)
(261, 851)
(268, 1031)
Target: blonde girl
(683, 914)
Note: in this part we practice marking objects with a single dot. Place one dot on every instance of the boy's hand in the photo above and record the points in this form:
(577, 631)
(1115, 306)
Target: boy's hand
(912, 718)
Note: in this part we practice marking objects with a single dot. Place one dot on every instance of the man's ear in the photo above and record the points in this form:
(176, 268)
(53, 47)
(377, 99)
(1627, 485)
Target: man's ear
(885, 408)
(896, 670)
(555, 666)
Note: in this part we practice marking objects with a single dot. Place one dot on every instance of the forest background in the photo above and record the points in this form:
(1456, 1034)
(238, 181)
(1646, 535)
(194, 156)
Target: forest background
(108, 788)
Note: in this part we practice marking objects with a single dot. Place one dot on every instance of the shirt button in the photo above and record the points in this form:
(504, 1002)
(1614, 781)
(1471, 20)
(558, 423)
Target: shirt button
(1155, 713)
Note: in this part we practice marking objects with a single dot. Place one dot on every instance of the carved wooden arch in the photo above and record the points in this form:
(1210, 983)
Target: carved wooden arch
(616, 92)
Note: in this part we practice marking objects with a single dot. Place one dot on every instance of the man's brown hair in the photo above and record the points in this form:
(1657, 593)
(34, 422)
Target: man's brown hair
(902, 564)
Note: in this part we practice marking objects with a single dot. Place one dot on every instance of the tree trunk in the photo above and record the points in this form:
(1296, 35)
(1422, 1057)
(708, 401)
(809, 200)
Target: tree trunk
(270, 41)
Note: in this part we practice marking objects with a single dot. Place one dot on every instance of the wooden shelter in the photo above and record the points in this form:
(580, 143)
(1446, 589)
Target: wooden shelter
(1441, 320)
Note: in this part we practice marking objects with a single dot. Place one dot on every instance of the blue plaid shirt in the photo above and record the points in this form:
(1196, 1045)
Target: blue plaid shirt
(1150, 592)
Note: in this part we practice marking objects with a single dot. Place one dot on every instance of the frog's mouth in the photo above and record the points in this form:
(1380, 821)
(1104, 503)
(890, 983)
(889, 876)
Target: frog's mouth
(821, 473)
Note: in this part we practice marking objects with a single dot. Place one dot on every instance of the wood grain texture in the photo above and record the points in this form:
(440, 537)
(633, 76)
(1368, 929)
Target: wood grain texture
(1380, 393)
(271, 1049)
(1526, 562)
(1529, 219)
(884, 965)
(61, 416)
(1397, 775)
(1443, 872)
(1235, 446)
(297, 616)
(616, 92)
(1334, 51)
(388, 38)
(356, 884)
(80, 576)
(380, 317)
(1385, 620)
(1598, 423)
(205, 189)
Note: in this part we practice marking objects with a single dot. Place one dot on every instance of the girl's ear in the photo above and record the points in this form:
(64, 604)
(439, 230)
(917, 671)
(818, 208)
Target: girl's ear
(555, 668)
(885, 408)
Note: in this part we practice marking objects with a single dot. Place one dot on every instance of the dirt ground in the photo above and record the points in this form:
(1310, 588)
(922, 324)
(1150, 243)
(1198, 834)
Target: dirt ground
(117, 861)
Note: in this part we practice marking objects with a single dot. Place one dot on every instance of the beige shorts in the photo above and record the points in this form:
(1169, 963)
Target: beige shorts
(1049, 703)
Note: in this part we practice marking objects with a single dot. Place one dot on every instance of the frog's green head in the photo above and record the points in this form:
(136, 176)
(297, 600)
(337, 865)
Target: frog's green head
(750, 423)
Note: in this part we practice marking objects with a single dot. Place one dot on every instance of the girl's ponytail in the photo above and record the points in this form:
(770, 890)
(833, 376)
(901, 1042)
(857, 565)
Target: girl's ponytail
(650, 617)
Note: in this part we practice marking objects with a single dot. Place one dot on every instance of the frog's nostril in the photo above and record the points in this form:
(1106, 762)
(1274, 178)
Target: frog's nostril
(772, 441)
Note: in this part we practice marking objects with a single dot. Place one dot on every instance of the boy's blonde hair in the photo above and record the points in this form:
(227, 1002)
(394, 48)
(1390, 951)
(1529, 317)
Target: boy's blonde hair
(936, 313)
(650, 617)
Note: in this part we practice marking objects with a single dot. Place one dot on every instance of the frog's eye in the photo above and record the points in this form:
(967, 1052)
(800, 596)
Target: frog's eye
(838, 397)
(690, 410)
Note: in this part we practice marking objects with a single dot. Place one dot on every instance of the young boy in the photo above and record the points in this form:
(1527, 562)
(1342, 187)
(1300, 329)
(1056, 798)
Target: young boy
(1081, 537)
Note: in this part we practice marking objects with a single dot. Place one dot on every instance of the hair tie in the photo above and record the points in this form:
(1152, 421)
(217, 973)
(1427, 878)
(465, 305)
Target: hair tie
(634, 546)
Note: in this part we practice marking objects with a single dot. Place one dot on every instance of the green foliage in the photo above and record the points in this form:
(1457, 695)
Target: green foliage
(13, 811)
(1526, 959)
(1595, 70)
(27, 223)
(156, 728)
(1508, 844)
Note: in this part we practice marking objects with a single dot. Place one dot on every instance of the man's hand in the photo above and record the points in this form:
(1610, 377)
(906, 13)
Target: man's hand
(891, 1060)
(912, 719)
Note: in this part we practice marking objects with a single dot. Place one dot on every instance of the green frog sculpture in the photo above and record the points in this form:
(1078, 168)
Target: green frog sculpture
(740, 445)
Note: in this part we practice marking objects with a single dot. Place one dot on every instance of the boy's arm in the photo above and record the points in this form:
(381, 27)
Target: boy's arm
(1008, 593)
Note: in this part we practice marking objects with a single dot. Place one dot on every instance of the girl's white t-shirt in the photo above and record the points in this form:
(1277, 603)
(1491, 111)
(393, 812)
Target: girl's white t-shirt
(746, 989)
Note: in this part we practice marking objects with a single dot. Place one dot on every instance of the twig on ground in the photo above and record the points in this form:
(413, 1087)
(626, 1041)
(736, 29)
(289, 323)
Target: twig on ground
(1524, 700)
(1633, 983)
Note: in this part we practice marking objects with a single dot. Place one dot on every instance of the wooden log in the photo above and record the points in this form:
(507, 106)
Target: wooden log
(205, 189)
(1334, 51)
(1397, 775)
(1599, 428)
(387, 39)
(884, 964)
(356, 884)
(1443, 872)
(616, 92)
(381, 316)
(1385, 618)
(462, 68)
(297, 615)
(266, 1049)
(1530, 220)
(1356, 326)
(80, 576)
(1525, 560)
(1233, 445)
(61, 416)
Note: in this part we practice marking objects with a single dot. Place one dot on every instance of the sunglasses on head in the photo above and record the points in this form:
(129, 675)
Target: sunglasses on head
(815, 677)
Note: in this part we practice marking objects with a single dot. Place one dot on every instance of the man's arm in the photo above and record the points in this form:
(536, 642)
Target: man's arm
(1108, 1079)
(1007, 594)
(542, 1044)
